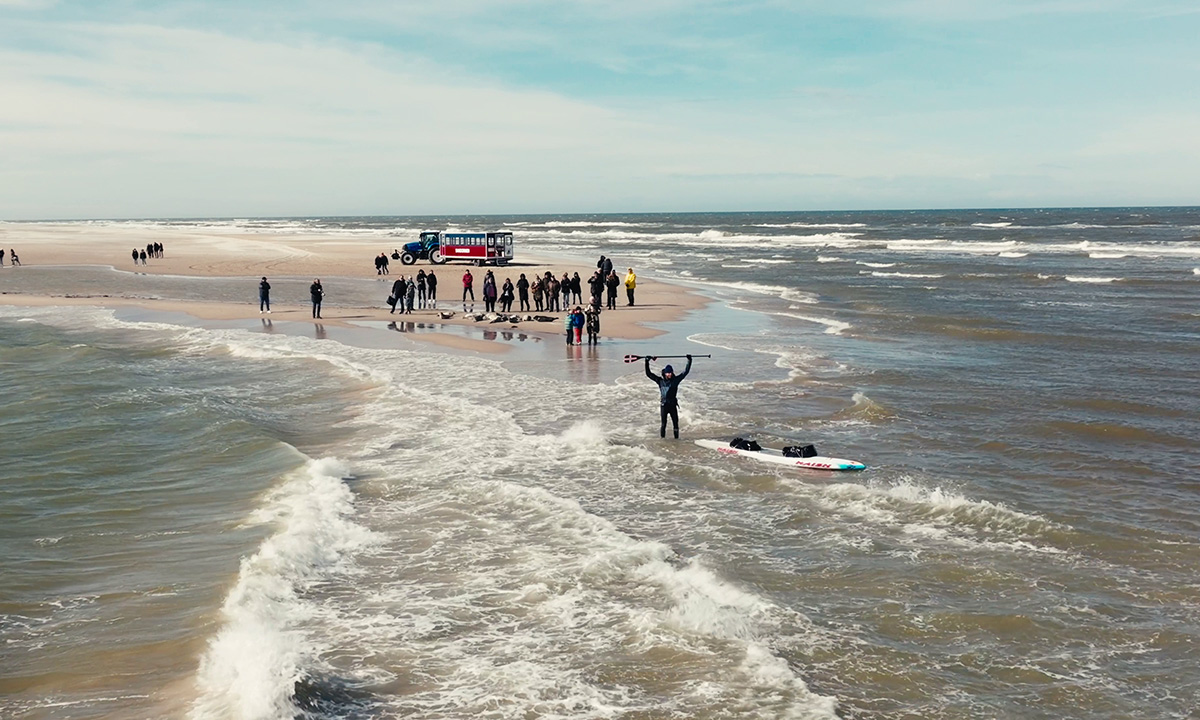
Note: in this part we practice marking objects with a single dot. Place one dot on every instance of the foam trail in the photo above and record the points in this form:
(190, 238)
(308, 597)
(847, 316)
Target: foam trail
(832, 327)
(905, 275)
(252, 665)
(1095, 280)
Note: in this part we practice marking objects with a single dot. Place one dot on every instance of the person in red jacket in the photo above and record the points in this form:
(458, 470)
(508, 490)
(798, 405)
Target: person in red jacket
(468, 287)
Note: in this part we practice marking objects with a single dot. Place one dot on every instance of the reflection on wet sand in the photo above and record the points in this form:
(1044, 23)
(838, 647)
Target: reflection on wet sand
(486, 334)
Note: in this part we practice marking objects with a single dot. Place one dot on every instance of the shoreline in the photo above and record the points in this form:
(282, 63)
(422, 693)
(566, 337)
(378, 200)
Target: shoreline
(192, 254)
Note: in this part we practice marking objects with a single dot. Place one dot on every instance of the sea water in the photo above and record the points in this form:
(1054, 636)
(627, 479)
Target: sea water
(252, 522)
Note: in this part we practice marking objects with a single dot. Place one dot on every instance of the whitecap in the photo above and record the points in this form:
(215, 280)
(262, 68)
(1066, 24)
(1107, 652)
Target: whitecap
(905, 275)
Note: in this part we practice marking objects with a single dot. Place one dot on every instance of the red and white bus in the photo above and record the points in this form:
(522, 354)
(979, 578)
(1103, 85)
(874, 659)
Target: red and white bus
(480, 248)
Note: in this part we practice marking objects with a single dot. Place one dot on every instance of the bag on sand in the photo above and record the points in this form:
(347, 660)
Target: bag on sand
(800, 451)
(743, 444)
(391, 300)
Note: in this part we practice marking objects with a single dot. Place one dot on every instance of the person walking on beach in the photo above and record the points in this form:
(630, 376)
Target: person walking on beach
(630, 284)
(384, 262)
(410, 295)
(399, 290)
(378, 265)
(592, 316)
(468, 287)
(565, 288)
(611, 283)
(318, 295)
(506, 296)
(489, 292)
(264, 296)
(668, 387)
(1, 257)
(421, 289)
(551, 290)
(523, 292)
(142, 256)
(135, 257)
(431, 282)
(13, 259)
(606, 266)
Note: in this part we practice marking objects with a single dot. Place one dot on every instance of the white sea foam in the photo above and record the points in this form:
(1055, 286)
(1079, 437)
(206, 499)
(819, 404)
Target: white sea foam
(905, 275)
(253, 663)
(832, 327)
(828, 259)
(875, 264)
(1095, 280)
(992, 225)
(785, 293)
(933, 514)
(811, 225)
(1012, 254)
(1107, 255)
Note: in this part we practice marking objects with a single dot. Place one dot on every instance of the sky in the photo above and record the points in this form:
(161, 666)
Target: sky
(227, 108)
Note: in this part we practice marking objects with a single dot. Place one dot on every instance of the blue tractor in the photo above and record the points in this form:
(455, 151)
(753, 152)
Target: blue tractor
(429, 247)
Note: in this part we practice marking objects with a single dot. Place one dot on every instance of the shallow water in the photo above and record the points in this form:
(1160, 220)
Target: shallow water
(238, 523)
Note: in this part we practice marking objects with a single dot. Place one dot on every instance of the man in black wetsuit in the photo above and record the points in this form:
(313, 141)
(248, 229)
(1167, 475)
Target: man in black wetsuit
(668, 385)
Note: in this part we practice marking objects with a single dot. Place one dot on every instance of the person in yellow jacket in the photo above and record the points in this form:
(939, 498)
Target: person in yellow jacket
(630, 284)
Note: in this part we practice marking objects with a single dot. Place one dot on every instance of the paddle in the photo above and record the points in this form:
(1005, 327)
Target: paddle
(635, 358)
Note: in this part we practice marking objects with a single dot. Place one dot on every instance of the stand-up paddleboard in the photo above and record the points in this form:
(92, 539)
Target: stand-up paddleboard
(771, 455)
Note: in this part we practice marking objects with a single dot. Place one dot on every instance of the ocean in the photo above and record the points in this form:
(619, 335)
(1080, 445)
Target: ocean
(272, 520)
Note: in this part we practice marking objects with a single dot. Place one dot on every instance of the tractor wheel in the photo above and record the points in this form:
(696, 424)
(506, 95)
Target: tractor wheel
(435, 257)
(408, 258)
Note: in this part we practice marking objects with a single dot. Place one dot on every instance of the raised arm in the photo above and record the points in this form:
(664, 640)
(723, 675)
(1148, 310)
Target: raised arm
(649, 374)
(687, 369)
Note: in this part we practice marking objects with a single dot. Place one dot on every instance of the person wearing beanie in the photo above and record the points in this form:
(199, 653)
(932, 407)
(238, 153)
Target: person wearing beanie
(668, 386)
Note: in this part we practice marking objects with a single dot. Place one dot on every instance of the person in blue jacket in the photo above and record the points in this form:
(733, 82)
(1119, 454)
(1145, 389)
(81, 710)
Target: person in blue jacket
(668, 386)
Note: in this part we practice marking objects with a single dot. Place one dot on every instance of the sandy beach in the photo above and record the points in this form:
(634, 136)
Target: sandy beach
(201, 252)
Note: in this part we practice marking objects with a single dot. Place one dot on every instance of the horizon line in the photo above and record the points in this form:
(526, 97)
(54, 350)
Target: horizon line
(604, 213)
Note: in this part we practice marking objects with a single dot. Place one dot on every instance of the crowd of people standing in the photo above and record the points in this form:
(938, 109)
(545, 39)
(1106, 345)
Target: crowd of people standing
(420, 289)
(547, 292)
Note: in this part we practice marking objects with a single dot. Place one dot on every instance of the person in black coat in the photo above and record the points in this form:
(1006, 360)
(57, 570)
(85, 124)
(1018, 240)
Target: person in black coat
(523, 292)
(264, 296)
(318, 295)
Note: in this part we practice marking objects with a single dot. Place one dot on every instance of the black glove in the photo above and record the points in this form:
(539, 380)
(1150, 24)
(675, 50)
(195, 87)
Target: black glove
(655, 358)
(689, 357)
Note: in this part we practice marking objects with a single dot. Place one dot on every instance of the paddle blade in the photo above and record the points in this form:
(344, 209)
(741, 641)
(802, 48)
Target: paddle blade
(632, 358)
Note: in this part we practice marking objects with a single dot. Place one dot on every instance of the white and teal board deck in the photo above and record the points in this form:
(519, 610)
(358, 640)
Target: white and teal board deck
(771, 455)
